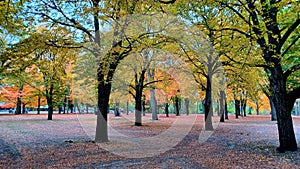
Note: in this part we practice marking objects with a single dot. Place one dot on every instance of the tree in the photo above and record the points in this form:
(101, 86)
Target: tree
(266, 23)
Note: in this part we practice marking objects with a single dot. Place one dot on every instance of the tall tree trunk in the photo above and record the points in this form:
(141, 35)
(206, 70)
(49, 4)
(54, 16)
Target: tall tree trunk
(208, 103)
(237, 108)
(116, 109)
(185, 106)
(71, 106)
(65, 104)
(176, 105)
(59, 109)
(257, 107)
(167, 109)
(283, 106)
(87, 109)
(225, 107)
(153, 101)
(138, 109)
(127, 107)
(39, 105)
(243, 107)
(222, 105)
(139, 86)
(104, 89)
(143, 106)
(49, 97)
(77, 107)
(19, 101)
(68, 105)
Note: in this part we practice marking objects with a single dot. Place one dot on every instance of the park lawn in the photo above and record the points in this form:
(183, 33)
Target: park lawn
(31, 141)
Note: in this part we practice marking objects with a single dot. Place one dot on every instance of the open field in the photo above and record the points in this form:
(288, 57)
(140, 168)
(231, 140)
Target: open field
(30, 141)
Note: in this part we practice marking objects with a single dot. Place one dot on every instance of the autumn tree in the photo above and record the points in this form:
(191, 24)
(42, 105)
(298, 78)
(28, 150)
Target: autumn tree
(274, 27)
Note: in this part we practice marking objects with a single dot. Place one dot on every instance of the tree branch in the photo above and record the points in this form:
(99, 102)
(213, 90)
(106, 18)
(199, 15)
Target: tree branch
(235, 30)
(235, 11)
(294, 94)
(291, 70)
(289, 32)
(291, 45)
(167, 2)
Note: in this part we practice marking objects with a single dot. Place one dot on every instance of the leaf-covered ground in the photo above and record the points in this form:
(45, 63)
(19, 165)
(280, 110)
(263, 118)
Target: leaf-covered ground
(30, 141)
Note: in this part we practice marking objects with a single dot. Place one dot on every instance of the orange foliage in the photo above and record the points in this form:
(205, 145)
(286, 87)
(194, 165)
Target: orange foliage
(9, 95)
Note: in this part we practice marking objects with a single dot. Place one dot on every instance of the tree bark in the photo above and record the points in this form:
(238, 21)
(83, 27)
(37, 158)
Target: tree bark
(116, 109)
(208, 103)
(167, 109)
(139, 86)
(87, 109)
(176, 106)
(39, 105)
(237, 108)
(49, 97)
(127, 107)
(19, 101)
(59, 109)
(283, 106)
(225, 107)
(187, 104)
(104, 90)
(64, 105)
(222, 105)
(257, 107)
(153, 101)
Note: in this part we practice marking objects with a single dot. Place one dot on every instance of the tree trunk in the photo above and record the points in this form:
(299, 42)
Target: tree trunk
(243, 106)
(222, 105)
(19, 101)
(185, 106)
(283, 106)
(138, 109)
(116, 109)
(208, 104)
(104, 89)
(176, 106)
(87, 109)
(77, 107)
(65, 104)
(153, 103)
(143, 106)
(237, 108)
(49, 97)
(257, 107)
(59, 109)
(127, 107)
(225, 106)
(139, 86)
(39, 105)
(167, 109)
(71, 106)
